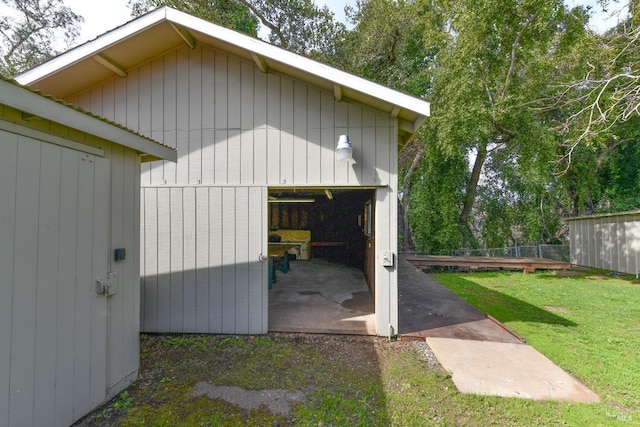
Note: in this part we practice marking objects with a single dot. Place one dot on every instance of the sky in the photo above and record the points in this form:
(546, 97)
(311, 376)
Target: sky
(103, 15)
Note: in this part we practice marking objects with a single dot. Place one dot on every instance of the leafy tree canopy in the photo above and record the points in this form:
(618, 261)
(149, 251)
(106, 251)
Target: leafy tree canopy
(229, 13)
(296, 25)
(29, 30)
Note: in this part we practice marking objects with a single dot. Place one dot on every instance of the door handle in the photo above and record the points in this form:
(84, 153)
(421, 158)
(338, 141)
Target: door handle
(262, 258)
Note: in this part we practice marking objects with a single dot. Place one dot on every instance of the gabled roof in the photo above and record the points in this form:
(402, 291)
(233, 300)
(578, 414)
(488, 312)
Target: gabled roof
(37, 104)
(165, 28)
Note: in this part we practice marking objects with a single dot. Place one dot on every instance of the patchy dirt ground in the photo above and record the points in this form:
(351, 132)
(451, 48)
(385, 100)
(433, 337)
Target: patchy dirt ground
(277, 379)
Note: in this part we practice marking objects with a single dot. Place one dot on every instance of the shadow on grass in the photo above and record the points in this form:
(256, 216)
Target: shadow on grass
(503, 307)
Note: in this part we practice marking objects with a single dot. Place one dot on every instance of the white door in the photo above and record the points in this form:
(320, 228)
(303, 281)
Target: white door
(53, 245)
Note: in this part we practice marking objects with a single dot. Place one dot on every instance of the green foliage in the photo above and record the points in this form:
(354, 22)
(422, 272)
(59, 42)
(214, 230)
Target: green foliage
(229, 13)
(299, 25)
(125, 401)
(619, 173)
(386, 44)
(436, 197)
(296, 25)
(28, 35)
(493, 62)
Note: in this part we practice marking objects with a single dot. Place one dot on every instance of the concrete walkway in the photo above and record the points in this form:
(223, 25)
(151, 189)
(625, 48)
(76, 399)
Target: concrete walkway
(483, 356)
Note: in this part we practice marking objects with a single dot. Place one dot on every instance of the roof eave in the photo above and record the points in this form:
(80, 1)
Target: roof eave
(41, 106)
(257, 48)
(92, 47)
(310, 66)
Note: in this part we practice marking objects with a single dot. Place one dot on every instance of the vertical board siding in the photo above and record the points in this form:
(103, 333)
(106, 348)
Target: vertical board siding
(176, 267)
(202, 260)
(65, 331)
(123, 319)
(211, 290)
(47, 268)
(235, 126)
(608, 242)
(386, 239)
(100, 266)
(115, 303)
(24, 284)
(215, 109)
(8, 183)
(53, 327)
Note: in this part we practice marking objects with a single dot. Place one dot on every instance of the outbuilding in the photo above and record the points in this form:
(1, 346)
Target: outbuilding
(606, 241)
(256, 128)
(69, 257)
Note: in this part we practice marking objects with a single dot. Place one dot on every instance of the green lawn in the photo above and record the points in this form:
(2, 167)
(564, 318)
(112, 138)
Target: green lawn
(588, 324)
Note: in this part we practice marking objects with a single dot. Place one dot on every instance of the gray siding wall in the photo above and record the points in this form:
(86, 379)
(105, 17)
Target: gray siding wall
(123, 349)
(236, 126)
(64, 350)
(201, 252)
(607, 242)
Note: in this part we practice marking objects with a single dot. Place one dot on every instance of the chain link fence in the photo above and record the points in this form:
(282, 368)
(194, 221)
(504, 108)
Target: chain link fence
(554, 252)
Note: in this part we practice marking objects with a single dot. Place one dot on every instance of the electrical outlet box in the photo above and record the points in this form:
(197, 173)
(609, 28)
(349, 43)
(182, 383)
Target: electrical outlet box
(387, 259)
(119, 254)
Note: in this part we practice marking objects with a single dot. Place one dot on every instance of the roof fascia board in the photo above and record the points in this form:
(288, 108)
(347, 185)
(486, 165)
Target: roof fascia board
(295, 60)
(33, 103)
(92, 47)
(50, 138)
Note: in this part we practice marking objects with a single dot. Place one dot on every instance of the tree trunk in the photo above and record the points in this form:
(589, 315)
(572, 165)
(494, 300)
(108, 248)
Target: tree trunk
(472, 185)
(405, 202)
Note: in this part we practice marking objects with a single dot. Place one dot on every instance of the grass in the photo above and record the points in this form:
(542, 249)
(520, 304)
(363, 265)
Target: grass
(588, 325)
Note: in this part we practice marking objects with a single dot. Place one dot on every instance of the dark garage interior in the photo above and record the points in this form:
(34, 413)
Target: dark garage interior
(326, 286)
(340, 221)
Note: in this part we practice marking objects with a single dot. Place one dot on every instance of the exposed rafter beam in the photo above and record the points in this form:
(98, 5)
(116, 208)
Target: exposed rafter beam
(260, 62)
(409, 126)
(406, 126)
(28, 117)
(395, 111)
(110, 64)
(337, 92)
(185, 35)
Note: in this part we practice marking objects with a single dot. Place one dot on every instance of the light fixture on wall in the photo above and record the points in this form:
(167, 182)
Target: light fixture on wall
(344, 150)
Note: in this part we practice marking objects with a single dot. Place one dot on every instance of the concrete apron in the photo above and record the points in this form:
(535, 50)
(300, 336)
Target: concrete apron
(318, 296)
(483, 356)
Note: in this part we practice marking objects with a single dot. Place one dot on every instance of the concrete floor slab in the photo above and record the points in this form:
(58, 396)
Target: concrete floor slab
(507, 370)
(319, 296)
